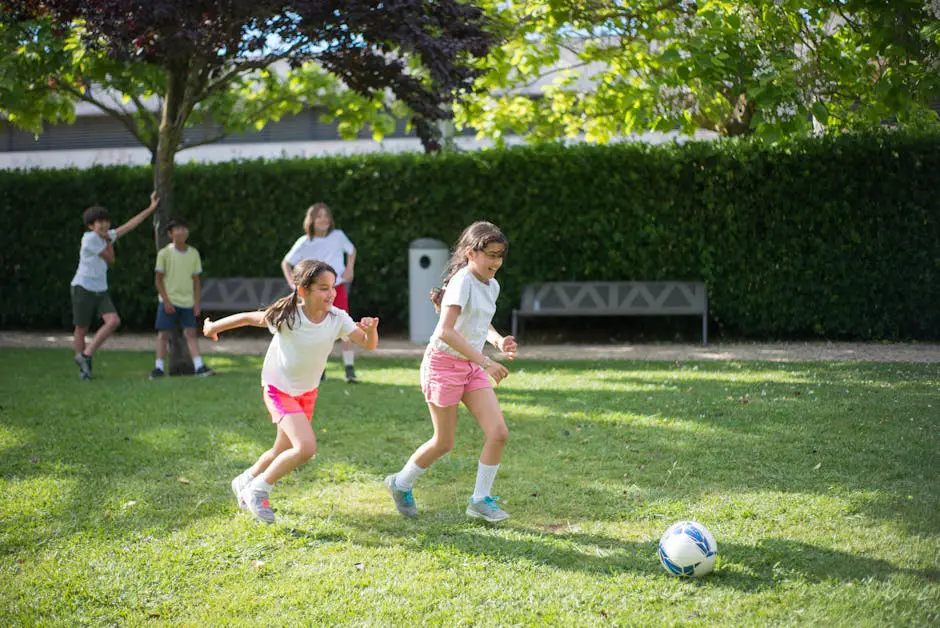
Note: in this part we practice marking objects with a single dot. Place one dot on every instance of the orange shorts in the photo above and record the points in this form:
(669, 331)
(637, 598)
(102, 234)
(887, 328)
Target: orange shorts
(279, 403)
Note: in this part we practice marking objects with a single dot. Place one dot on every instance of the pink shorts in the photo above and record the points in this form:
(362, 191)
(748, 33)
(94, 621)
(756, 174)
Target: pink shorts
(445, 378)
(279, 403)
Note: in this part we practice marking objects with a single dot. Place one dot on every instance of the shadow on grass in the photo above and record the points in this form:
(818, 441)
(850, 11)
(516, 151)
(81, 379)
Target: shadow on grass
(124, 439)
(743, 568)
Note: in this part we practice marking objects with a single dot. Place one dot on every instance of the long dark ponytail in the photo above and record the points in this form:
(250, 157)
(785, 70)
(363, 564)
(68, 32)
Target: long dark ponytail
(476, 237)
(284, 310)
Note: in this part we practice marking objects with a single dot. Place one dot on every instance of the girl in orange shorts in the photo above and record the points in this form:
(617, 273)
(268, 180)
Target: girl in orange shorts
(305, 325)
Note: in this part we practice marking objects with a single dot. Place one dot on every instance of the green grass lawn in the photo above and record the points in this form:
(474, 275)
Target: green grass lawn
(819, 481)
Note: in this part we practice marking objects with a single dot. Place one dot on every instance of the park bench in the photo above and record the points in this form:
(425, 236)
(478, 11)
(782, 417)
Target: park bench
(613, 298)
(241, 294)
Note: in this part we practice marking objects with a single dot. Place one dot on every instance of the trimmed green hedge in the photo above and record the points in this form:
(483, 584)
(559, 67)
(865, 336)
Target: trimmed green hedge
(835, 237)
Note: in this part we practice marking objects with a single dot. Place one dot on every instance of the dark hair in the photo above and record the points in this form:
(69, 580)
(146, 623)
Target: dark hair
(476, 237)
(311, 217)
(172, 223)
(284, 310)
(96, 212)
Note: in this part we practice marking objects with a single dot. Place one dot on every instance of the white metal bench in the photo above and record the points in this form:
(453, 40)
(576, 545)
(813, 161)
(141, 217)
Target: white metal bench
(238, 294)
(613, 298)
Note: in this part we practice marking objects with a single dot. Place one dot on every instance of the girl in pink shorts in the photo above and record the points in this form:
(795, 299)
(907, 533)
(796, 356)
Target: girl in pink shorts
(305, 325)
(454, 369)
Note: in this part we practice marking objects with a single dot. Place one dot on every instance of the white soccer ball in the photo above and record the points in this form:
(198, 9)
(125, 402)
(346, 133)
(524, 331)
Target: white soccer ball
(688, 549)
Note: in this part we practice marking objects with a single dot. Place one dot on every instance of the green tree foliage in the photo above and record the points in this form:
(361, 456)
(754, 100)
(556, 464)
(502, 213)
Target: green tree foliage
(766, 67)
(218, 62)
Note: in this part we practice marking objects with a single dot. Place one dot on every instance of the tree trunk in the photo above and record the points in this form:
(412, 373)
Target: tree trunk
(171, 130)
(739, 122)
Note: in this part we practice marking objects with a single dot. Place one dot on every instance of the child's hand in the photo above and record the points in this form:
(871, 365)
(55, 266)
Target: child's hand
(496, 370)
(154, 200)
(168, 308)
(208, 330)
(436, 296)
(368, 323)
(508, 347)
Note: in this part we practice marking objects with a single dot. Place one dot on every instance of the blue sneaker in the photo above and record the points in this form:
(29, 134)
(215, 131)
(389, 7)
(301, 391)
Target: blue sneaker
(404, 500)
(486, 509)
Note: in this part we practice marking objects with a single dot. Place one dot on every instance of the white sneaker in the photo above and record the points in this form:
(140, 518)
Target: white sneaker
(238, 485)
(486, 509)
(258, 503)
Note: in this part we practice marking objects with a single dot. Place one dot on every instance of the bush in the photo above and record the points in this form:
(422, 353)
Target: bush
(834, 237)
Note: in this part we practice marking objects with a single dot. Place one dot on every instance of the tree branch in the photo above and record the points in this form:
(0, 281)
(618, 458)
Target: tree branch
(123, 116)
(553, 71)
(249, 122)
(148, 118)
(850, 22)
(242, 68)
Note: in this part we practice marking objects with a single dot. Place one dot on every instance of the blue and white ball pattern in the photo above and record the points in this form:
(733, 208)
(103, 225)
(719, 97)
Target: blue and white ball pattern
(687, 549)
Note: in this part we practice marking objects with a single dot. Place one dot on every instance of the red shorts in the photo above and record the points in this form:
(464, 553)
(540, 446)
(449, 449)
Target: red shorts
(342, 298)
(445, 378)
(279, 403)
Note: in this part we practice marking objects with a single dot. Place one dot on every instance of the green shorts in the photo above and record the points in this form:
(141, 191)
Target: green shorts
(86, 303)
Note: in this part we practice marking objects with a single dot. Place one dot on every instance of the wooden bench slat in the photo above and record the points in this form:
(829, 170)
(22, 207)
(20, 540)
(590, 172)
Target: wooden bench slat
(614, 298)
(236, 294)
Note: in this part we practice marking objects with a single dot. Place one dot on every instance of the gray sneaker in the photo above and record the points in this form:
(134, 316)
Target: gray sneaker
(84, 365)
(238, 485)
(404, 500)
(486, 509)
(258, 503)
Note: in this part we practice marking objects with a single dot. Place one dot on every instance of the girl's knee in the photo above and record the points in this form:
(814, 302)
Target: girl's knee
(307, 450)
(499, 434)
(114, 321)
(442, 445)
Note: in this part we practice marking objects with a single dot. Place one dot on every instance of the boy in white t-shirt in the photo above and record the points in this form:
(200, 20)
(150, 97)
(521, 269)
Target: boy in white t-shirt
(89, 286)
(305, 325)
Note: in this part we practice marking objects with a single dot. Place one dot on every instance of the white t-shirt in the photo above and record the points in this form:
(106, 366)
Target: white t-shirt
(331, 249)
(92, 272)
(477, 302)
(296, 357)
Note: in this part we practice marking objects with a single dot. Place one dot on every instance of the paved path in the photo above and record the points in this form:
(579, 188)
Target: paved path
(398, 347)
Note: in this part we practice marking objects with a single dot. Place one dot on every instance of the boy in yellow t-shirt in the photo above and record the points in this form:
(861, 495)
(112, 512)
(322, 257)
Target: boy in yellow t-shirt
(177, 278)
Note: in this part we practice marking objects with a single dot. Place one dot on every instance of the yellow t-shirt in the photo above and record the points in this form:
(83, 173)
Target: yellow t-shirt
(179, 268)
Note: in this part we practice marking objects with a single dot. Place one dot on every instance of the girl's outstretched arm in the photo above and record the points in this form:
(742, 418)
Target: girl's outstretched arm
(367, 333)
(212, 329)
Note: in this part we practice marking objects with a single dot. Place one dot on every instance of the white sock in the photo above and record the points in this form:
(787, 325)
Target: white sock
(406, 478)
(197, 362)
(348, 357)
(247, 476)
(486, 473)
(160, 365)
(259, 484)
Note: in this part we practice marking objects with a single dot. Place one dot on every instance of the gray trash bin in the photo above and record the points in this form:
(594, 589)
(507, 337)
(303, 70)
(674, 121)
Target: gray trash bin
(427, 259)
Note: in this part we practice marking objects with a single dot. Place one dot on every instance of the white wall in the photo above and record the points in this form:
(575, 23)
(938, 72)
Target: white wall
(212, 153)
